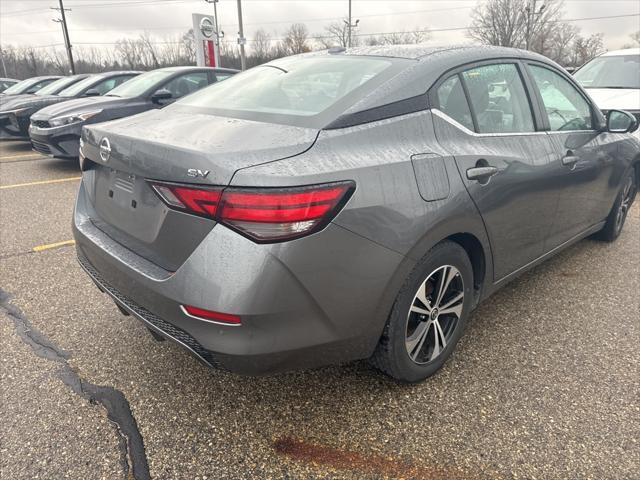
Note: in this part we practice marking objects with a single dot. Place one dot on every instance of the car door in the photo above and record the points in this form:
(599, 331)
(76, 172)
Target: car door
(484, 117)
(584, 154)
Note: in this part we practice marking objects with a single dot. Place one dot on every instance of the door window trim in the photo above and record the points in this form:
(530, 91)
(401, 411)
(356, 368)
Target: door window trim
(597, 121)
(538, 118)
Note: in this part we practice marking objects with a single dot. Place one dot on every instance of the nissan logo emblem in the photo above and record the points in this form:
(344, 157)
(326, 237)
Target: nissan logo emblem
(206, 27)
(105, 149)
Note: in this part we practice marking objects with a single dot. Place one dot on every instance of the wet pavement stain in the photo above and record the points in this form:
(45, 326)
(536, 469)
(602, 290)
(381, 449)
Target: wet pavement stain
(133, 455)
(378, 465)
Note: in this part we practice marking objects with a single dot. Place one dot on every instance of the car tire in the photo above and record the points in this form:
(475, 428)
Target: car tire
(411, 346)
(615, 221)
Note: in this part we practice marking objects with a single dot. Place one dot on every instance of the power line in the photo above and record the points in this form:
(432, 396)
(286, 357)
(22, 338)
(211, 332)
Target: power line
(449, 29)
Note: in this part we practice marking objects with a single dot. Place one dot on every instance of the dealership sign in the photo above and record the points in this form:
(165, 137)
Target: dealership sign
(207, 49)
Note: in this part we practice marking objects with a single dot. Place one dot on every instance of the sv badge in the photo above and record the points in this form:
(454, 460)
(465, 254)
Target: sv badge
(196, 172)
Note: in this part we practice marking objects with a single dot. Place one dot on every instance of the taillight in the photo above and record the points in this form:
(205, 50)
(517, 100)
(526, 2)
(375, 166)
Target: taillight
(211, 316)
(262, 214)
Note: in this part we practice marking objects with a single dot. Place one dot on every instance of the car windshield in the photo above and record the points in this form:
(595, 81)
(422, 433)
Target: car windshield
(76, 88)
(140, 84)
(20, 87)
(619, 71)
(54, 87)
(289, 89)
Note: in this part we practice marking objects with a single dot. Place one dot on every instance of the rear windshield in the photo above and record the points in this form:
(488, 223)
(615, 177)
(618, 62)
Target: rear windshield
(616, 71)
(76, 88)
(57, 86)
(304, 91)
(139, 85)
(20, 87)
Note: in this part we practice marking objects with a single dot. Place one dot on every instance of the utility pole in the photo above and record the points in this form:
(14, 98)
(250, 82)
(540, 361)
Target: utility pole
(241, 39)
(531, 14)
(65, 33)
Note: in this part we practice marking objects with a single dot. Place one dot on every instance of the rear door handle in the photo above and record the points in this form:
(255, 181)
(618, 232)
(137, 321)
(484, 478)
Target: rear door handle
(481, 173)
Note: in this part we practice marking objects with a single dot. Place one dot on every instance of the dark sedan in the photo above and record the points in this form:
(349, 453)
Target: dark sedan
(55, 130)
(348, 204)
(20, 110)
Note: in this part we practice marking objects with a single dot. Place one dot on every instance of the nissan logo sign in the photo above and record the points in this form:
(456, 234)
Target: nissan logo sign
(206, 27)
(105, 149)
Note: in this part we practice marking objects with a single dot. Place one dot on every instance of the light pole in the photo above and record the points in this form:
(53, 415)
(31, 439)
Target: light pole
(350, 26)
(241, 39)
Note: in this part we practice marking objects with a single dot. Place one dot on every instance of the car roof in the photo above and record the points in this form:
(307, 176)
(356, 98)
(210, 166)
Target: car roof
(425, 66)
(625, 51)
(9, 79)
(117, 72)
(186, 68)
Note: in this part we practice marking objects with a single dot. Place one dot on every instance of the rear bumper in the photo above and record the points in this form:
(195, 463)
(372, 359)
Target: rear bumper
(306, 303)
(62, 142)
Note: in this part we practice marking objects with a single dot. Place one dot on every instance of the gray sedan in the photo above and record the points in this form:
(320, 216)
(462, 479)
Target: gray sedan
(347, 205)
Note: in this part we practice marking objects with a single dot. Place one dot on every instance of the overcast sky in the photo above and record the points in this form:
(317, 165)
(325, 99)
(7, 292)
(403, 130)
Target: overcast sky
(29, 22)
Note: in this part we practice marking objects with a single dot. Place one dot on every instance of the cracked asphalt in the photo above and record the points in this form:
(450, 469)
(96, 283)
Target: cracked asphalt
(545, 383)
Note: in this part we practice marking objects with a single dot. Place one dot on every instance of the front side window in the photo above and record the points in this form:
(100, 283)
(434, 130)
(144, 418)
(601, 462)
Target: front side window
(453, 101)
(499, 99)
(186, 84)
(565, 106)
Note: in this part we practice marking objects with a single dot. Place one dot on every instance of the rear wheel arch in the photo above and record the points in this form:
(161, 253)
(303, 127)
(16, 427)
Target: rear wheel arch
(476, 254)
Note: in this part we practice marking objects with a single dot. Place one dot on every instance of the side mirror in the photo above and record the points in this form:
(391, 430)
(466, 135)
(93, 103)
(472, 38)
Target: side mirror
(161, 95)
(619, 121)
(92, 92)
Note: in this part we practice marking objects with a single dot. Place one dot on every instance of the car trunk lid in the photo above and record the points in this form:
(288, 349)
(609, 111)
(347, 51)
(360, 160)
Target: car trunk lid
(182, 148)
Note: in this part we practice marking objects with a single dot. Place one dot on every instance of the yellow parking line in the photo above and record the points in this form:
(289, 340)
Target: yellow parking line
(40, 248)
(41, 182)
(29, 155)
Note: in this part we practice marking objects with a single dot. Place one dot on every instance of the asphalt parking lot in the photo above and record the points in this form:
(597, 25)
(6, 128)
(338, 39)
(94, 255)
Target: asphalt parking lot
(545, 383)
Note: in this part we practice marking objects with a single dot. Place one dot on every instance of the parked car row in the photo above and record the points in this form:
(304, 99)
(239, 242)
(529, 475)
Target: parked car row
(51, 111)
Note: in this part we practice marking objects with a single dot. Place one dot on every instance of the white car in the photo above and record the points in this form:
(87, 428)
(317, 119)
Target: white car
(613, 81)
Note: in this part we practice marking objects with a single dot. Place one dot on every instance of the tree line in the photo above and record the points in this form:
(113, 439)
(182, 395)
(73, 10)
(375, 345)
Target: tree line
(529, 24)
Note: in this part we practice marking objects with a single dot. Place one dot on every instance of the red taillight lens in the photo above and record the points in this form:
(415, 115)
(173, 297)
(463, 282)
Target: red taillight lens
(198, 200)
(211, 316)
(262, 214)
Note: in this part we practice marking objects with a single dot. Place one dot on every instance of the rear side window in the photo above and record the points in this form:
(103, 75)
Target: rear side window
(565, 106)
(453, 102)
(499, 99)
(186, 84)
(220, 76)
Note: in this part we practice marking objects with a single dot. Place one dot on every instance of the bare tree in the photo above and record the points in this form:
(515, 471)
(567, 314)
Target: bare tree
(262, 46)
(418, 35)
(635, 40)
(296, 39)
(337, 35)
(585, 49)
(513, 23)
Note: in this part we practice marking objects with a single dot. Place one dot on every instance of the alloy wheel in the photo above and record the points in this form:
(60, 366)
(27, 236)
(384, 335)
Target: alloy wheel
(434, 314)
(627, 196)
